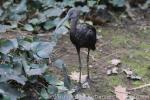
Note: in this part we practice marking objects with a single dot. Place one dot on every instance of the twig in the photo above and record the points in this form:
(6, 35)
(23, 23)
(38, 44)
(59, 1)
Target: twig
(129, 10)
(145, 6)
(117, 52)
(139, 87)
(120, 92)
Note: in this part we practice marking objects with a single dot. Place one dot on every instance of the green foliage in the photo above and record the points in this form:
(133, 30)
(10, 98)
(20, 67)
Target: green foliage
(118, 3)
(24, 65)
(28, 27)
(23, 61)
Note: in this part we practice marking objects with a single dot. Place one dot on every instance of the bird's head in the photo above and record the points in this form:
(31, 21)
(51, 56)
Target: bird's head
(73, 14)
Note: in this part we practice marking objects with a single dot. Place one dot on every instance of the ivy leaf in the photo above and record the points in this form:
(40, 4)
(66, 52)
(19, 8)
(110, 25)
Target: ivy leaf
(51, 79)
(4, 28)
(118, 3)
(91, 3)
(59, 63)
(37, 69)
(59, 32)
(19, 79)
(5, 69)
(52, 89)
(20, 8)
(34, 69)
(34, 21)
(9, 92)
(17, 12)
(7, 73)
(24, 45)
(47, 3)
(43, 49)
(44, 94)
(1, 12)
(85, 9)
(53, 12)
(7, 45)
(28, 27)
(49, 25)
(68, 3)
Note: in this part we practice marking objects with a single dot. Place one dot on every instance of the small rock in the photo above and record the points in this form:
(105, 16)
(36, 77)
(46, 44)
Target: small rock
(115, 70)
(115, 62)
(128, 71)
(90, 66)
(109, 72)
(86, 85)
(134, 77)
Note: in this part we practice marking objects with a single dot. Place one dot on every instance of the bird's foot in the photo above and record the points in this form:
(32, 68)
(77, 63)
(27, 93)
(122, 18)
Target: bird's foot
(79, 87)
(89, 80)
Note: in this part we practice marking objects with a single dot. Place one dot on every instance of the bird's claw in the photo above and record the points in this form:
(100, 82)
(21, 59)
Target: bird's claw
(78, 88)
(88, 79)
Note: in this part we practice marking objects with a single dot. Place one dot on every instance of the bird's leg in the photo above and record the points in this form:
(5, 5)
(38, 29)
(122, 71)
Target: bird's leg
(78, 51)
(88, 74)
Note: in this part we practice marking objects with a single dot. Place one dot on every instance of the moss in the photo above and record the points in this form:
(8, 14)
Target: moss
(137, 83)
(120, 40)
(105, 32)
(114, 81)
(138, 65)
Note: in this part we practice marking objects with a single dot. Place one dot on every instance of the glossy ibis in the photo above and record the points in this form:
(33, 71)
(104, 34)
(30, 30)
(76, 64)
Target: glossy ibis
(82, 35)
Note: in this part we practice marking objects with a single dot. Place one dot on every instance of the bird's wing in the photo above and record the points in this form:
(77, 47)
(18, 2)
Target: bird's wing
(85, 30)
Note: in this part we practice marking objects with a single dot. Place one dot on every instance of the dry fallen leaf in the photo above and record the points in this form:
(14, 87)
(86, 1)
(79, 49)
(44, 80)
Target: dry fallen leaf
(86, 85)
(121, 93)
(109, 72)
(115, 62)
(90, 66)
(128, 71)
(75, 76)
(113, 70)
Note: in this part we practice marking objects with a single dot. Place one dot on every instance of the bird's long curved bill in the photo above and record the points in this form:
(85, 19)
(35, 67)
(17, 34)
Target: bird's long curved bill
(62, 21)
(57, 27)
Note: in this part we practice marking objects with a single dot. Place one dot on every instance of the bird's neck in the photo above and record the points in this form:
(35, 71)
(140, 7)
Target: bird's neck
(73, 25)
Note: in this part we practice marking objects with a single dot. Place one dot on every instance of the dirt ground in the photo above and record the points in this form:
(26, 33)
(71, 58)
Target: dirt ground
(128, 41)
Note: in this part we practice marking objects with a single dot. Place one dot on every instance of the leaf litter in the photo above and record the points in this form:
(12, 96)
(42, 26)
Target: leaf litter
(121, 92)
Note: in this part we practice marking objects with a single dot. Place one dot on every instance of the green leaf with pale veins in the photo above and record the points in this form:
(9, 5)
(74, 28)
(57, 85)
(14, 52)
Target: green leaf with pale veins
(7, 45)
(49, 25)
(28, 27)
(34, 69)
(9, 93)
(43, 49)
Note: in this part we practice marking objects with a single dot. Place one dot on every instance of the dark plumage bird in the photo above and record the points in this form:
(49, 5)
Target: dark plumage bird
(82, 35)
